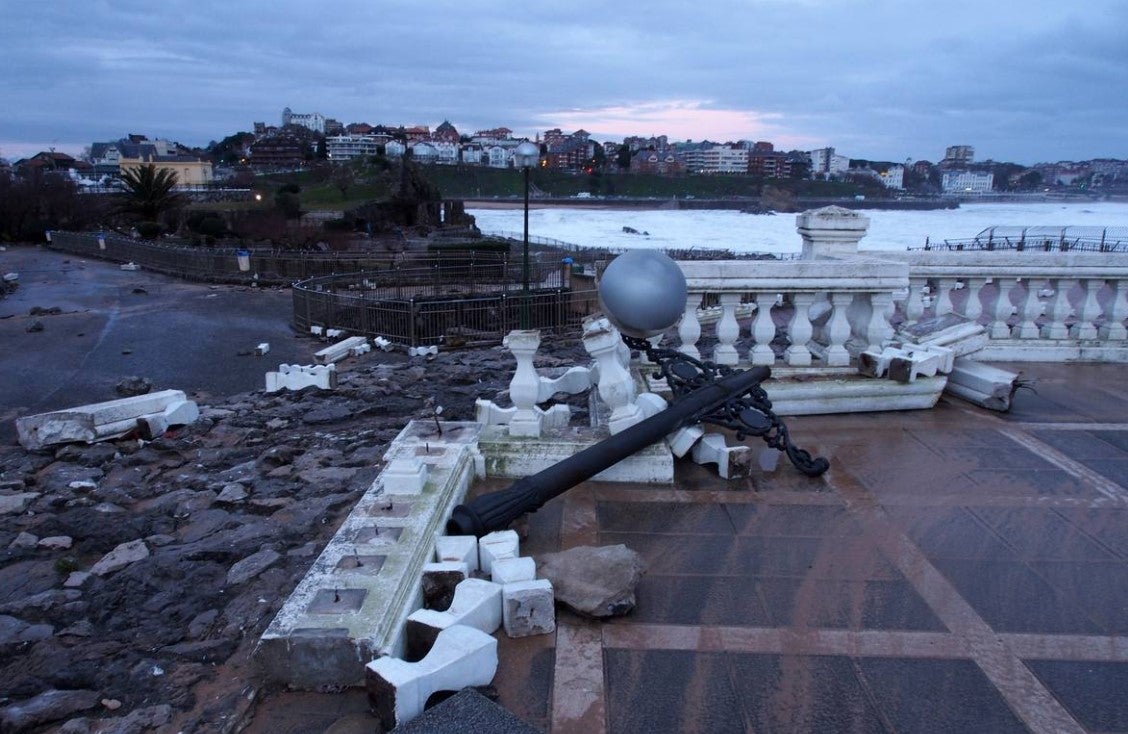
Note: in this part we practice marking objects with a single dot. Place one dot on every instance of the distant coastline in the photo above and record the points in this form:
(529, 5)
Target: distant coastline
(737, 204)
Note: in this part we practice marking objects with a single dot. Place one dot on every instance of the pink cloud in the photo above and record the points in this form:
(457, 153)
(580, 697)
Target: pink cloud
(680, 120)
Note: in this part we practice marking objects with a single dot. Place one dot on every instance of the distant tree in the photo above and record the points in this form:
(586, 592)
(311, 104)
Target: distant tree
(623, 157)
(343, 177)
(322, 148)
(149, 192)
(1030, 180)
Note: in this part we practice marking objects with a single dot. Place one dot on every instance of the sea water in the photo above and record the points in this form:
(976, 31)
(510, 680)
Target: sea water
(733, 230)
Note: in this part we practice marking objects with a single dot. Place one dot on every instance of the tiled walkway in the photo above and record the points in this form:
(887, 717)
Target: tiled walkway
(955, 571)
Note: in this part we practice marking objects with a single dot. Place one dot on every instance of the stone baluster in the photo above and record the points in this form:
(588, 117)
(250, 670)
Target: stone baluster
(689, 329)
(942, 300)
(1029, 310)
(763, 331)
(616, 386)
(1059, 309)
(838, 330)
(1115, 312)
(878, 328)
(914, 301)
(525, 385)
(1090, 309)
(800, 330)
(1002, 310)
(728, 330)
(973, 308)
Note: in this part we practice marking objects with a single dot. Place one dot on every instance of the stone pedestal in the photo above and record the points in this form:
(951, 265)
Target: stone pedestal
(525, 385)
(616, 386)
(831, 231)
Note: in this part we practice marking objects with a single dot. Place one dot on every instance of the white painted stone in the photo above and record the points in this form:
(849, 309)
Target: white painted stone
(831, 231)
(574, 381)
(711, 449)
(496, 546)
(405, 476)
(120, 557)
(528, 608)
(382, 344)
(682, 440)
(181, 413)
(340, 350)
(316, 330)
(262, 349)
(461, 657)
(986, 386)
(334, 333)
(616, 385)
(131, 266)
(524, 388)
(457, 549)
(298, 377)
(476, 603)
(429, 352)
(650, 404)
(93, 422)
(511, 570)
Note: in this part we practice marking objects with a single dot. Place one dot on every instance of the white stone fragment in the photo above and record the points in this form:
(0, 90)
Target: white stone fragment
(316, 330)
(986, 386)
(459, 549)
(712, 449)
(476, 603)
(460, 657)
(511, 570)
(382, 344)
(429, 352)
(93, 422)
(297, 377)
(340, 350)
(405, 476)
(528, 608)
(131, 266)
(181, 413)
(682, 440)
(262, 349)
(574, 381)
(496, 546)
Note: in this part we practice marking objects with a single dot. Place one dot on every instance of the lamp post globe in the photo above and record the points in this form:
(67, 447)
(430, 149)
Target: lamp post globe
(643, 292)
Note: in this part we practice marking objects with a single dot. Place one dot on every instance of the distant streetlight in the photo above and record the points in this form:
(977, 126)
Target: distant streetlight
(525, 156)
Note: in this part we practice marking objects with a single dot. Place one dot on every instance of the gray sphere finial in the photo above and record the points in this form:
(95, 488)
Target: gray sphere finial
(643, 292)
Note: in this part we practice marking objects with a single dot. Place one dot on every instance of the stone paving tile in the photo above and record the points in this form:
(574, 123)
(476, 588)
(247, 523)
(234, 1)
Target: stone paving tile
(1107, 525)
(817, 603)
(1082, 445)
(1011, 597)
(662, 517)
(1037, 533)
(698, 600)
(1119, 439)
(524, 677)
(953, 533)
(651, 691)
(686, 555)
(803, 694)
(937, 696)
(792, 520)
(1117, 471)
(1028, 483)
(1099, 588)
(1094, 693)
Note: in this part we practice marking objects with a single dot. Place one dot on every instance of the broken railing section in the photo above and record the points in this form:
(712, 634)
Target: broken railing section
(150, 415)
(703, 392)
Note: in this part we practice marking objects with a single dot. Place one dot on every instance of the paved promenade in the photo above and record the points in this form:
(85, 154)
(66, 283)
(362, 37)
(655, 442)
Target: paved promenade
(954, 571)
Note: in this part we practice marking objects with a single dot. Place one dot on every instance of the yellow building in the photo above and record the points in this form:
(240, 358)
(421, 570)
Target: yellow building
(189, 170)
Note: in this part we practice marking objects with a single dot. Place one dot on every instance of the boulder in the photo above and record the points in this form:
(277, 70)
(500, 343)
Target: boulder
(594, 581)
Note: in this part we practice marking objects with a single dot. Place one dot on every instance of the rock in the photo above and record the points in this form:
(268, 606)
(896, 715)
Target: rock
(232, 493)
(14, 631)
(130, 386)
(111, 704)
(201, 623)
(594, 581)
(77, 579)
(48, 706)
(327, 414)
(16, 503)
(56, 542)
(251, 566)
(34, 327)
(24, 540)
(120, 557)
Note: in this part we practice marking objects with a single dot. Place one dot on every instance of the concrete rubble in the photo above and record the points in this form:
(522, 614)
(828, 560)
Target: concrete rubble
(152, 413)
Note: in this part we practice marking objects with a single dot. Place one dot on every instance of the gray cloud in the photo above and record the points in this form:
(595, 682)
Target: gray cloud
(1025, 81)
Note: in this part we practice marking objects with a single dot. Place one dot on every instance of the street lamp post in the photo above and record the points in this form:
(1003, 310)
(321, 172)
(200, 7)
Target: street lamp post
(526, 155)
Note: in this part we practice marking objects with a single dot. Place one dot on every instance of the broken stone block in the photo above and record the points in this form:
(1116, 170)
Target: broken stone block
(298, 377)
(986, 386)
(405, 476)
(340, 350)
(440, 580)
(458, 548)
(594, 581)
(712, 449)
(94, 422)
(495, 546)
(398, 690)
(682, 440)
(120, 557)
(958, 333)
(181, 413)
(528, 608)
(477, 604)
(262, 349)
(511, 570)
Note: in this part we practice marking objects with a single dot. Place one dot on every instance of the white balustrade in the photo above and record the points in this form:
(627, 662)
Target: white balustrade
(1085, 327)
(1059, 309)
(1116, 311)
(763, 330)
(689, 329)
(727, 330)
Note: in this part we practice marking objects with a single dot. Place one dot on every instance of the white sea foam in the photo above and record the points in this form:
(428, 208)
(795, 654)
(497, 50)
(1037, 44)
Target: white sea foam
(711, 228)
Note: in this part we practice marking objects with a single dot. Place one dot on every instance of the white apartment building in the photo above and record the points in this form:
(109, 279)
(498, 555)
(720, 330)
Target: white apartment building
(893, 177)
(826, 162)
(349, 147)
(313, 121)
(967, 182)
(717, 159)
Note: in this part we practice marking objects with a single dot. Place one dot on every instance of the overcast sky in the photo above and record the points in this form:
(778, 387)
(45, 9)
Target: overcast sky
(1020, 80)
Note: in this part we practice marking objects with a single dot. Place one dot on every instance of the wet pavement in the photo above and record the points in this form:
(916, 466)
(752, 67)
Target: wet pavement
(955, 571)
(115, 323)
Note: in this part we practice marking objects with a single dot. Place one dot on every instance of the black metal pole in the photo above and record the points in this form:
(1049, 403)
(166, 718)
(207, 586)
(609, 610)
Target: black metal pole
(525, 260)
(496, 510)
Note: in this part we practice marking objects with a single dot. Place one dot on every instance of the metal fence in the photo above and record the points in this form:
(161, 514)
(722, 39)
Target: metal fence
(1039, 239)
(283, 267)
(452, 306)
